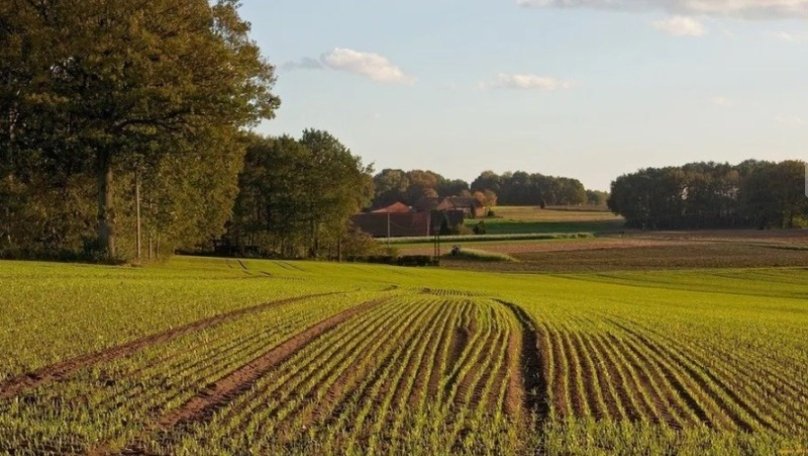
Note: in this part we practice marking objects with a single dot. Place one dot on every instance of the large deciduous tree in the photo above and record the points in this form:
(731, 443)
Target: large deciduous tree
(95, 86)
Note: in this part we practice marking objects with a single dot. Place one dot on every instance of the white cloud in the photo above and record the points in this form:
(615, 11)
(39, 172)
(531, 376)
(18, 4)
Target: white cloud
(373, 66)
(680, 26)
(722, 101)
(751, 9)
(528, 82)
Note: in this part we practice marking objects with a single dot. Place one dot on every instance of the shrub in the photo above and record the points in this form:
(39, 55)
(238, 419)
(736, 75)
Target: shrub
(461, 253)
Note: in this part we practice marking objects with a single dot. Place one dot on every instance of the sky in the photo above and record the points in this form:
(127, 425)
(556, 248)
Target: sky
(589, 89)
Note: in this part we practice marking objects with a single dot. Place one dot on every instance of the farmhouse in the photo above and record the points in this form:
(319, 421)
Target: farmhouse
(471, 207)
(400, 220)
(395, 208)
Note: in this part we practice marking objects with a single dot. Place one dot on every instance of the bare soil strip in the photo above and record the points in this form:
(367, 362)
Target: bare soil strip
(64, 369)
(240, 380)
(532, 381)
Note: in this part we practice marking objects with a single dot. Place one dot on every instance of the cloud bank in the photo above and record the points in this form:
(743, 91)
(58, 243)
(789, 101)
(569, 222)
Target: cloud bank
(749, 9)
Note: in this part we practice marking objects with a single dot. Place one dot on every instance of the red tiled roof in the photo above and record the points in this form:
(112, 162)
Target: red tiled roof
(395, 208)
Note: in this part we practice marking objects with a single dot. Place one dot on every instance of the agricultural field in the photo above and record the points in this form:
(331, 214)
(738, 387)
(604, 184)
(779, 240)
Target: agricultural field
(638, 251)
(531, 219)
(572, 239)
(209, 356)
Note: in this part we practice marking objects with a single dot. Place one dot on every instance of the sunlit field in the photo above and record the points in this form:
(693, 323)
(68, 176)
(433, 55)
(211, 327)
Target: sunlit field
(207, 356)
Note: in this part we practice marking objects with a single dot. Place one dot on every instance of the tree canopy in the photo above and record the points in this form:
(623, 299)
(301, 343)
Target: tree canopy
(521, 188)
(146, 90)
(296, 196)
(713, 195)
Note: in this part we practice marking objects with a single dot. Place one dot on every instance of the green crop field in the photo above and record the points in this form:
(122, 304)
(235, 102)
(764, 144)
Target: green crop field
(207, 356)
(533, 220)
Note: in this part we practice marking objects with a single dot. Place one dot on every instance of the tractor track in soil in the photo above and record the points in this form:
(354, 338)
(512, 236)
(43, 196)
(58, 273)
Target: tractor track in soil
(63, 369)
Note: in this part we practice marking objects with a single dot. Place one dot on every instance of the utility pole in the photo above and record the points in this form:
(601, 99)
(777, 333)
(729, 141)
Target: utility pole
(388, 230)
(137, 210)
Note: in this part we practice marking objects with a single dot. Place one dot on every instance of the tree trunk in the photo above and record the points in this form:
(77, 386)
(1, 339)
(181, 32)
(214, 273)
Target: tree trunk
(106, 233)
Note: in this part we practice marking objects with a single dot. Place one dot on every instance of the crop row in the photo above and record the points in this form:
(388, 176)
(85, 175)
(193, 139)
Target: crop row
(110, 403)
(414, 372)
(602, 363)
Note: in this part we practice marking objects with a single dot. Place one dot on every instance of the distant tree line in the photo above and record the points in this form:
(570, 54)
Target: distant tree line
(522, 189)
(410, 187)
(757, 194)
(511, 188)
(597, 198)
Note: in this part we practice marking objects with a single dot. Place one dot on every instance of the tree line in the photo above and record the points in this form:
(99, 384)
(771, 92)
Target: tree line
(521, 188)
(752, 194)
(511, 188)
(124, 133)
(412, 187)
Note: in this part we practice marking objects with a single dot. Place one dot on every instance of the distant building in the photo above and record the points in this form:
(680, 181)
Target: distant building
(395, 208)
(400, 220)
(427, 203)
(471, 207)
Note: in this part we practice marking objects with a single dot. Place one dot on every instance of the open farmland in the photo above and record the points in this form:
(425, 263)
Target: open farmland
(532, 219)
(204, 356)
(636, 250)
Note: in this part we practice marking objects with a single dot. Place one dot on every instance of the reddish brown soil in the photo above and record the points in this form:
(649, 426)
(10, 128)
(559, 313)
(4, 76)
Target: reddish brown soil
(588, 375)
(64, 369)
(240, 380)
(527, 386)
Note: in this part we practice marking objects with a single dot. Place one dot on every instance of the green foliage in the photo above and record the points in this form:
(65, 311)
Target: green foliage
(296, 196)
(494, 237)
(597, 198)
(357, 243)
(636, 363)
(464, 253)
(521, 189)
(122, 88)
(709, 195)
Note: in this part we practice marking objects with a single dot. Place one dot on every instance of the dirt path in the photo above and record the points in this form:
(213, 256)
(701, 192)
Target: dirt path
(64, 369)
(527, 389)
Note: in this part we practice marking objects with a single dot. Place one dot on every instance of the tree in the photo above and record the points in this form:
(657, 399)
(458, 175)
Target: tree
(296, 196)
(596, 197)
(774, 195)
(423, 184)
(486, 198)
(452, 187)
(390, 186)
(339, 185)
(487, 180)
(129, 81)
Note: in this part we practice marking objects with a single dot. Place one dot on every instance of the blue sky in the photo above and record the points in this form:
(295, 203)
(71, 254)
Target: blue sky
(581, 88)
